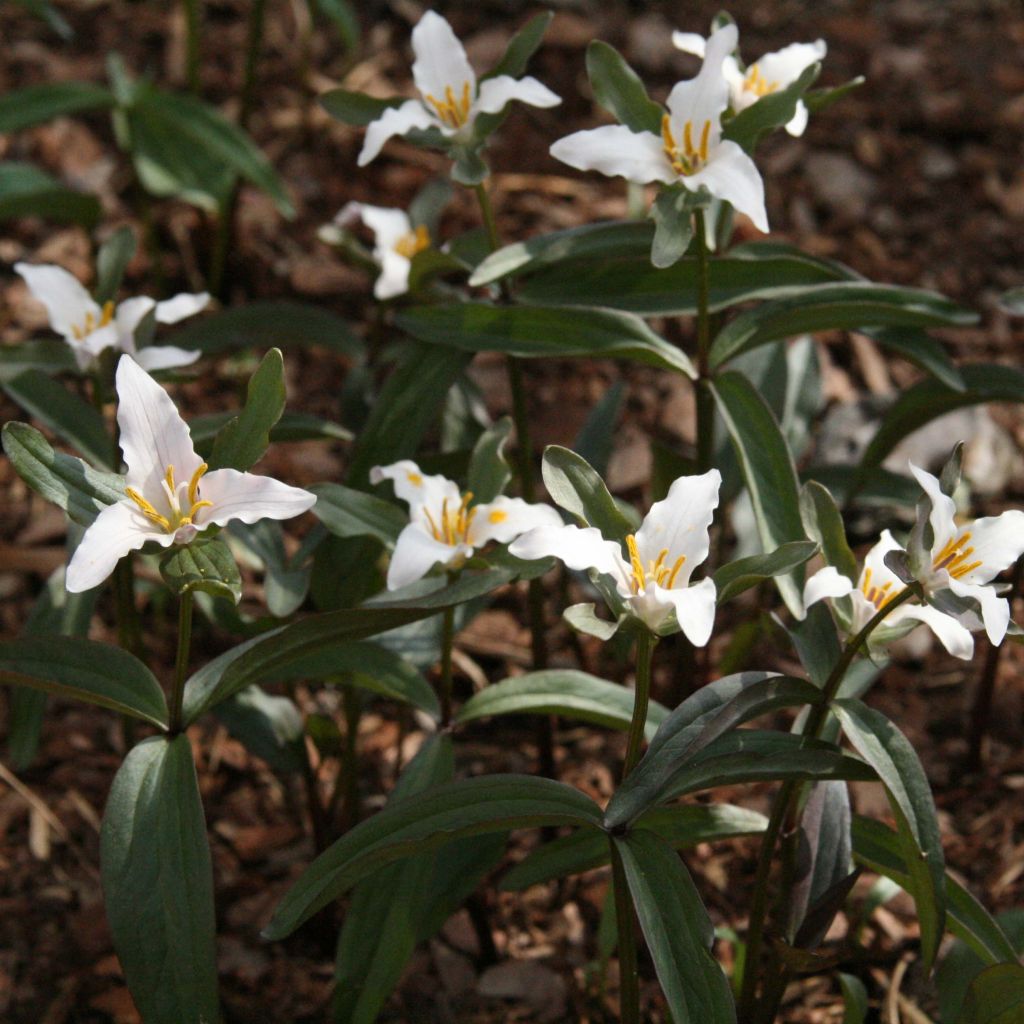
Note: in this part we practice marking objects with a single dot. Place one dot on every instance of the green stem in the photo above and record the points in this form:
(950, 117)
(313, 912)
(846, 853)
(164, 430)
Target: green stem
(447, 637)
(641, 698)
(487, 212)
(193, 24)
(783, 805)
(629, 981)
(704, 398)
(181, 661)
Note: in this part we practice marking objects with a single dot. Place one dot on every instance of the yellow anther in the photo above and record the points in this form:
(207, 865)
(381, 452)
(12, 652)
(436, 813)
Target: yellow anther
(685, 159)
(147, 509)
(410, 244)
(639, 577)
(497, 516)
(756, 83)
(953, 556)
(169, 477)
(415, 479)
(688, 138)
(704, 135)
(433, 525)
(452, 112)
(194, 483)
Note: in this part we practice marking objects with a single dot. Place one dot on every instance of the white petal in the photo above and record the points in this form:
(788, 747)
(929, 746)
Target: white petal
(394, 121)
(164, 357)
(689, 42)
(170, 311)
(67, 302)
(102, 338)
(694, 607)
(393, 278)
(998, 542)
(680, 523)
(416, 553)
(731, 175)
(416, 488)
(798, 122)
(785, 66)
(942, 515)
(504, 519)
(441, 61)
(496, 92)
(388, 225)
(995, 610)
(952, 635)
(615, 150)
(826, 583)
(153, 435)
(117, 530)
(705, 97)
(128, 317)
(249, 498)
(874, 563)
(576, 548)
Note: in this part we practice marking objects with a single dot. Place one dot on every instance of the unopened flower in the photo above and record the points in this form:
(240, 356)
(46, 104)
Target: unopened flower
(654, 581)
(690, 150)
(450, 97)
(877, 587)
(90, 328)
(445, 527)
(768, 74)
(169, 495)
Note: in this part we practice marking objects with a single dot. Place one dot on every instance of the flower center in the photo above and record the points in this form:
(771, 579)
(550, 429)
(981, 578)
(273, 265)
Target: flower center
(878, 596)
(756, 83)
(685, 158)
(173, 493)
(92, 324)
(452, 525)
(413, 242)
(453, 113)
(954, 557)
(657, 571)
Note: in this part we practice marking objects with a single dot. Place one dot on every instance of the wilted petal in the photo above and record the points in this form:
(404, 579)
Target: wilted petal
(416, 488)
(615, 150)
(249, 498)
(576, 548)
(731, 175)
(496, 92)
(826, 583)
(694, 607)
(417, 552)
(164, 357)
(170, 311)
(394, 121)
(504, 519)
(117, 530)
(952, 635)
(67, 302)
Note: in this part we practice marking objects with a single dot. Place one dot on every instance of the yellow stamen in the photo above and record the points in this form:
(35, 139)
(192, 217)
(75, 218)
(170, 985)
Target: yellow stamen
(410, 244)
(756, 83)
(639, 577)
(177, 517)
(452, 112)
(953, 556)
(685, 159)
(705, 133)
(433, 525)
(147, 509)
(194, 483)
(498, 516)
(657, 571)
(675, 572)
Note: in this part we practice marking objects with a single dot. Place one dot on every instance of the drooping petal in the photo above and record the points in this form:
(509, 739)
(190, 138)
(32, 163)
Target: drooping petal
(153, 434)
(679, 523)
(576, 548)
(417, 552)
(393, 278)
(694, 607)
(249, 498)
(117, 530)
(504, 519)
(394, 121)
(164, 357)
(615, 150)
(690, 42)
(67, 302)
(441, 62)
(128, 317)
(995, 610)
(998, 542)
(955, 637)
(942, 515)
(785, 66)
(170, 311)
(416, 488)
(705, 97)
(730, 174)
(826, 583)
(496, 92)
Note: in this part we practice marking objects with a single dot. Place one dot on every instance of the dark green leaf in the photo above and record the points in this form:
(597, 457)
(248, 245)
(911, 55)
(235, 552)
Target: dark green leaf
(522, 46)
(292, 426)
(996, 996)
(285, 586)
(882, 489)
(424, 822)
(46, 355)
(922, 350)
(575, 486)
(820, 99)
(678, 931)
(158, 884)
(816, 643)
(618, 89)
(824, 524)
(736, 577)
(536, 331)
(596, 438)
(343, 15)
(23, 108)
(207, 565)
(269, 727)
(855, 999)
(672, 213)
(468, 166)
(115, 254)
(356, 108)
(350, 513)
(26, 191)
(769, 112)
(489, 470)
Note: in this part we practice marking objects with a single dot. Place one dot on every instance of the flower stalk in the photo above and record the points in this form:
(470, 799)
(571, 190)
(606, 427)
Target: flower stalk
(181, 661)
(447, 639)
(705, 425)
(629, 980)
(641, 699)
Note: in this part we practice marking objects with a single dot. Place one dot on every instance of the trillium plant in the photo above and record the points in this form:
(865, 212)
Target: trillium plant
(741, 622)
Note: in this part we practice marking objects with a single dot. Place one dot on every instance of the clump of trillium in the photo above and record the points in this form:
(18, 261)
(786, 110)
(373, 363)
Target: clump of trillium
(445, 527)
(90, 329)
(690, 150)
(652, 577)
(768, 74)
(170, 496)
(450, 98)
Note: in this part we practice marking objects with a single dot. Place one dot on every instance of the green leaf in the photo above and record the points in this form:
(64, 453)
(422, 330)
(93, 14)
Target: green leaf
(115, 254)
(702, 718)
(996, 996)
(848, 305)
(47, 12)
(536, 331)
(678, 931)
(468, 166)
(820, 99)
(565, 692)
(206, 564)
(285, 586)
(736, 577)
(922, 350)
(63, 412)
(630, 283)
(26, 191)
(596, 438)
(1013, 301)
(277, 651)
(158, 884)
(824, 524)
(350, 513)
(277, 324)
(584, 619)
(880, 849)
(673, 225)
(618, 89)
(245, 438)
(882, 489)
(768, 470)
(83, 670)
(66, 481)
(46, 355)
(356, 108)
(888, 751)
(343, 15)
(267, 726)
(816, 642)
(855, 999)
(769, 112)
(522, 46)
(292, 426)
(575, 486)
(489, 470)
(35, 104)
(423, 822)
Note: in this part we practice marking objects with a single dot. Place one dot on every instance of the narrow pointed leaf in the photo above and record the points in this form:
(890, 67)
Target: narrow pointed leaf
(575, 486)
(35, 104)
(824, 524)
(617, 87)
(115, 254)
(47, 355)
(924, 351)
(268, 726)
(356, 108)
(769, 112)
(489, 471)
(347, 512)
(244, 440)
(521, 47)
(26, 191)
(996, 996)
(739, 576)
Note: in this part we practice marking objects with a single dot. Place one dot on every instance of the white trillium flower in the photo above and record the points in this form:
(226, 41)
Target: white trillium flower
(965, 559)
(770, 73)
(450, 97)
(169, 495)
(396, 241)
(655, 580)
(444, 528)
(690, 150)
(877, 587)
(90, 328)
